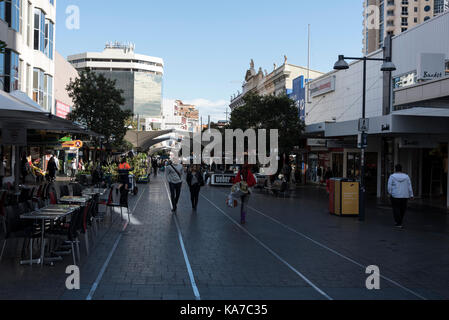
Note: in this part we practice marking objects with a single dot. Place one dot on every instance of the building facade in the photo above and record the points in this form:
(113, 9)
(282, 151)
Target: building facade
(408, 114)
(181, 117)
(278, 82)
(28, 64)
(395, 16)
(139, 76)
(64, 73)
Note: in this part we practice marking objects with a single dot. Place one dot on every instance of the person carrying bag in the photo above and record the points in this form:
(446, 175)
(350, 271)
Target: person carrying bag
(173, 174)
(245, 181)
(195, 181)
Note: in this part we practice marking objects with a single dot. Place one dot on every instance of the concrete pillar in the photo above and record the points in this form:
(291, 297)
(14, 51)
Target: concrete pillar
(447, 188)
(345, 164)
(421, 157)
(379, 173)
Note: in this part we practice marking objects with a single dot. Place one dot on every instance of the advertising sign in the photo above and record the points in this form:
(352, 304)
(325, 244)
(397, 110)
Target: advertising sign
(320, 87)
(298, 94)
(431, 66)
(222, 179)
(62, 109)
(73, 144)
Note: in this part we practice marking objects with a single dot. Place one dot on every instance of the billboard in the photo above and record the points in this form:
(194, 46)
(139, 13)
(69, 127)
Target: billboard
(62, 109)
(298, 94)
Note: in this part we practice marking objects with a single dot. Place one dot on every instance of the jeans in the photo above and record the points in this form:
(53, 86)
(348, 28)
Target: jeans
(175, 193)
(399, 209)
(243, 209)
(195, 194)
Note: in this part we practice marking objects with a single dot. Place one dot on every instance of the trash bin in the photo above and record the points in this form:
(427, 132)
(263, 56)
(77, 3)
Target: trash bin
(344, 197)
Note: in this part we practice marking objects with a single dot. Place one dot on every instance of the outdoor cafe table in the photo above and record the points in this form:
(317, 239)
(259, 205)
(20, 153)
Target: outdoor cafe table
(93, 192)
(75, 200)
(51, 212)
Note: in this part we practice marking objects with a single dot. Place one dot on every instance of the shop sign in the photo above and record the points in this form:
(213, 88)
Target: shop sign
(14, 136)
(320, 87)
(431, 66)
(417, 144)
(222, 179)
(73, 144)
(317, 142)
(341, 144)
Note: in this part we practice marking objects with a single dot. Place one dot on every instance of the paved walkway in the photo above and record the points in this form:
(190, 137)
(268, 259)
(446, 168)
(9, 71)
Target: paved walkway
(290, 249)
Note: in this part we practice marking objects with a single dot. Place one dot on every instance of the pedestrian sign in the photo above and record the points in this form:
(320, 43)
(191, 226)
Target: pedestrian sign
(364, 125)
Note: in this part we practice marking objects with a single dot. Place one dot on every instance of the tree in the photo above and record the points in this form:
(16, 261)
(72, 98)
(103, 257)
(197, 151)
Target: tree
(97, 105)
(270, 112)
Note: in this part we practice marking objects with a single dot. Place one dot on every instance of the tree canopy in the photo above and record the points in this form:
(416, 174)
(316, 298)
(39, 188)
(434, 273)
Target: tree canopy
(97, 104)
(270, 112)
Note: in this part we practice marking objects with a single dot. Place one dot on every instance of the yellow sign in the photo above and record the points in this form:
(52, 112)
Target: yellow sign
(73, 144)
(350, 198)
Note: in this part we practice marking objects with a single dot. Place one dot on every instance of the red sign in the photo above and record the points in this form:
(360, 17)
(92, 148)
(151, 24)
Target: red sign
(62, 109)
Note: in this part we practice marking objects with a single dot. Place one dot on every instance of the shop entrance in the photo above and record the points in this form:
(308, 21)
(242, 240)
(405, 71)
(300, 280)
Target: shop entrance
(354, 171)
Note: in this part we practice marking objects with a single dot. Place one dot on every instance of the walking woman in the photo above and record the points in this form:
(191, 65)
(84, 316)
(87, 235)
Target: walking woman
(195, 181)
(247, 176)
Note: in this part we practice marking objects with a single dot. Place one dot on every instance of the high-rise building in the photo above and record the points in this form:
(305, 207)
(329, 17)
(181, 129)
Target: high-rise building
(28, 29)
(139, 76)
(392, 17)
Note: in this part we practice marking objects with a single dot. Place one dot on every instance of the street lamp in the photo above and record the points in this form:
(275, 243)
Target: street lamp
(387, 66)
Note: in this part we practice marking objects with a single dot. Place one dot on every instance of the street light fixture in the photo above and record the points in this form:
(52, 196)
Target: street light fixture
(387, 66)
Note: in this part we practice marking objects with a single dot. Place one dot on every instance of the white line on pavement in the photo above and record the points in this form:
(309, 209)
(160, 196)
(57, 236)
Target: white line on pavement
(272, 252)
(184, 252)
(333, 251)
(106, 263)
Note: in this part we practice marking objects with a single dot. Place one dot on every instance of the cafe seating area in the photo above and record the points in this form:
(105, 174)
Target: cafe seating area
(51, 221)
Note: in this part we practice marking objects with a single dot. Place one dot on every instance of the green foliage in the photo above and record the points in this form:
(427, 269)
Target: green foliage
(97, 105)
(270, 112)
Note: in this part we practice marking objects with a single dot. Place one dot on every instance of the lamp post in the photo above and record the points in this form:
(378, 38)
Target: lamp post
(387, 66)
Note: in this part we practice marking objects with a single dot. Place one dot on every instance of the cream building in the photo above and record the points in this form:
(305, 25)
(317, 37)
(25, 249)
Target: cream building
(394, 17)
(278, 82)
(28, 65)
(64, 73)
(139, 76)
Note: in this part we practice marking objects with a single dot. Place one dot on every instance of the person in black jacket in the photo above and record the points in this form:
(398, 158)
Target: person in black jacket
(52, 168)
(195, 181)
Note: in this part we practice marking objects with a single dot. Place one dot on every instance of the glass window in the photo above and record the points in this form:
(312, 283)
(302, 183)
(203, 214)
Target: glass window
(38, 86)
(2, 69)
(48, 93)
(29, 21)
(11, 71)
(2, 10)
(39, 30)
(49, 32)
(12, 12)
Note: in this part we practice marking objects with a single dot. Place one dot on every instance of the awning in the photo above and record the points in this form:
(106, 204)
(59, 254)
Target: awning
(18, 110)
(145, 139)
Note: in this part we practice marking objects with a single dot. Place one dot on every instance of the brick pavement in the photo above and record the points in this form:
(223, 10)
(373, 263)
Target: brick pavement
(227, 263)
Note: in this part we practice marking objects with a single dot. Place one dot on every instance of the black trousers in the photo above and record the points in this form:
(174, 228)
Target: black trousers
(399, 209)
(175, 193)
(195, 195)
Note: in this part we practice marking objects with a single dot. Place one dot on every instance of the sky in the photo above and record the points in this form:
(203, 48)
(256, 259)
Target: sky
(207, 45)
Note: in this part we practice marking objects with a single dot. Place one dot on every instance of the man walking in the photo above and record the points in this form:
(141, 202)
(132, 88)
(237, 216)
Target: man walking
(173, 174)
(400, 189)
